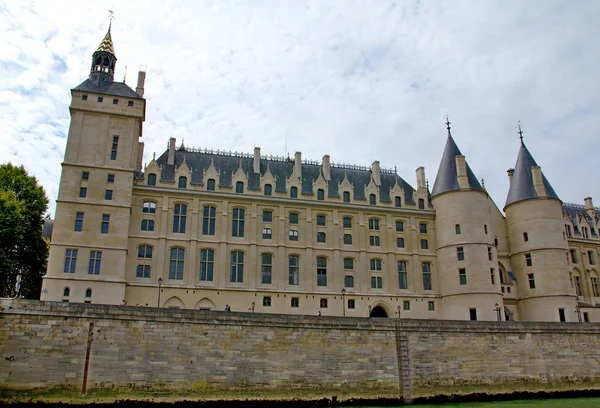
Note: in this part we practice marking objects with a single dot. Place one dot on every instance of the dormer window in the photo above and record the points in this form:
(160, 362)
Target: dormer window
(372, 199)
(210, 185)
(182, 182)
(320, 194)
(268, 189)
(398, 202)
(151, 179)
(346, 196)
(421, 204)
(239, 187)
(294, 192)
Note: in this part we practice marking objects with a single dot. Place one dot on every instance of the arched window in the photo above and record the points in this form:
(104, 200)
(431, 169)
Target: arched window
(207, 263)
(237, 222)
(294, 192)
(375, 265)
(268, 189)
(236, 274)
(210, 185)
(151, 179)
(320, 194)
(66, 292)
(346, 196)
(239, 187)
(398, 201)
(182, 182)
(179, 216)
(209, 218)
(372, 199)
(176, 262)
(88, 293)
(149, 207)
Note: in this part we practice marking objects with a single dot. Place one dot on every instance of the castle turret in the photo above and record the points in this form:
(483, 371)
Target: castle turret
(537, 246)
(465, 252)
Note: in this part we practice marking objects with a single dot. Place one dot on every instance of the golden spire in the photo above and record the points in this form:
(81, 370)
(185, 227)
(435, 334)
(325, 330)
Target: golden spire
(107, 45)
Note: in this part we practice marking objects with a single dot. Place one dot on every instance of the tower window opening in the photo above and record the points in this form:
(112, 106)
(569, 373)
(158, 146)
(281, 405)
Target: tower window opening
(473, 314)
(84, 97)
(457, 229)
(528, 260)
(531, 280)
(462, 276)
(129, 103)
(525, 237)
(100, 99)
(115, 146)
(115, 101)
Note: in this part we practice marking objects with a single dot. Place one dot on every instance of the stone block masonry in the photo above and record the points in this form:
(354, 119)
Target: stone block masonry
(43, 344)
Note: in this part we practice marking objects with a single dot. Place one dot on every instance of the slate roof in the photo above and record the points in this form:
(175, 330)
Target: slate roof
(446, 178)
(47, 228)
(521, 186)
(227, 165)
(108, 88)
(576, 210)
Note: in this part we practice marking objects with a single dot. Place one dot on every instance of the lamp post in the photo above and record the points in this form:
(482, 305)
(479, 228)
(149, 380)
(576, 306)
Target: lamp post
(399, 310)
(578, 311)
(253, 304)
(497, 309)
(344, 301)
(159, 283)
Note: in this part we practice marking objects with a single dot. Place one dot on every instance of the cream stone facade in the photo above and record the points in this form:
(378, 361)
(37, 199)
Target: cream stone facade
(203, 229)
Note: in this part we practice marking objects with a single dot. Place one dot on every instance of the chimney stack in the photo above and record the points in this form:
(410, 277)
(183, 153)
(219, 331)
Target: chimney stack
(510, 173)
(298, 165)
(171, 157)
(538, 181)
(256, 166)
(589, 206)
(326, 168)
(420, 177)
(140, 85)
(376, 173)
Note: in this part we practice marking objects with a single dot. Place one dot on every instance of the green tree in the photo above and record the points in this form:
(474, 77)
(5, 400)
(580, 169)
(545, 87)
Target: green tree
(23, 204)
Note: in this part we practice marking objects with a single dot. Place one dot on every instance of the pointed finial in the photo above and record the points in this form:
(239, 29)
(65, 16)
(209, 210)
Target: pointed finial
(427, 183)
(125, 76)
(154, 156)
(448, 122)
(111, 17)
(520, 132)
(483, 183)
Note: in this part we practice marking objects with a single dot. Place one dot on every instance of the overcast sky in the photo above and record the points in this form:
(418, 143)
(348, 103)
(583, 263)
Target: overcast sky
(358, 80)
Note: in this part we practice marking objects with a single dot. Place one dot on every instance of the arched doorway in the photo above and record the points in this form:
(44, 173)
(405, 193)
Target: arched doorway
(378, 311)
(205, 304)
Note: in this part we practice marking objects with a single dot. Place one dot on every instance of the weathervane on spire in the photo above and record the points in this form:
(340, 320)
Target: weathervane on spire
(111, 17)
(448, 122)
(520, 132)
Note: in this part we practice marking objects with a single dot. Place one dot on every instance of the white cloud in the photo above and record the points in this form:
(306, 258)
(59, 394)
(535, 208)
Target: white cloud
(360, 81)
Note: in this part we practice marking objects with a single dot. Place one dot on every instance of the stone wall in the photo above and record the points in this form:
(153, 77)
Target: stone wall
(44, 345)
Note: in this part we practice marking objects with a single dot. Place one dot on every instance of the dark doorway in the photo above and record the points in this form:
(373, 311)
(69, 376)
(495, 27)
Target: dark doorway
(378, 311)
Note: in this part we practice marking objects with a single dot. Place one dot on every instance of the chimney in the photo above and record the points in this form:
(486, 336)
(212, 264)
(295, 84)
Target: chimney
(326, 168)
(420, 177)
(510, 173)
(140, 157)
(171, 157)
(140, 85)
(538, 181)
(376, 173)
(461, 171)
(298, 165)
(589, 206)
(256, 166)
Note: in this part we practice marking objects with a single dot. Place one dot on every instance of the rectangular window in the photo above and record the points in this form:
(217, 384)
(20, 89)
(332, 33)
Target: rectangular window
(421, 204)
(372, 199)
(374, 240)
(485, 229)
(237, 222)
(207, 264)
(348, 239)
(129, 103)
(402, 275)
(321, 220)
(209, 219)
(426, 268)
(267, 233)
(78, 221)
(108, 194)
(423, 228)
(574, 256)
(493, 276)
(95, 259)
(110, 178)
(525, 237)
(210, 184)
(236, 274)
(406, 304)
(182, 182)
(115, 146)
(293, 218)
(267, 301)
(462, 276)
(115, 101)
(142, 271)
(348, 263)
(460, 253)
(351, 304)
(490, 254)
(531, 280)
(100, 99)
(295, 302)
(294, 192)
(70, 260)
(147, 225)
(239, 187)
(424, 244)
(375, 265)
(431, 306)
(457, 229)
(399, 226)
(294, 268)
(268, 189)
(293, 235)
(349, 281)
(84, 97)
(176, 260)
(561, 315)
(267, 216)
(266, 268)
(347, 221)
(82, 192)
(376, 282)
(586, 317)
(577, 285)
(528, 261)
(496, 241)
(346, 196)
(323, 303)
(473, 314)
(595, 287)
(320, 194)
(321, 271)
(321, 237)
(105, 223)
(374, 224)
(398, 201)
(591, 257)
(179, 218)
(85, 175)
(400, 242)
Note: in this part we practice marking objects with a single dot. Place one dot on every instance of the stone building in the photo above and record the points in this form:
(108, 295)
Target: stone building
(204, 229)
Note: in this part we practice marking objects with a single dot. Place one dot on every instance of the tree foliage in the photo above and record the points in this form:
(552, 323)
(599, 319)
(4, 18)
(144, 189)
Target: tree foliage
(23, 204)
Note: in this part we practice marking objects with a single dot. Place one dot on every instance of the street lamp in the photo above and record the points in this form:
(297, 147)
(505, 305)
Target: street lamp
(343, 301)
(159, 283)
(497, 309)
(253, 304)
(578, 311)
(399, 310)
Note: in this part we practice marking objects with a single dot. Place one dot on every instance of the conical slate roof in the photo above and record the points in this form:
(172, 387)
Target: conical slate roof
(521, 186)
(107, 44)
(446, 178)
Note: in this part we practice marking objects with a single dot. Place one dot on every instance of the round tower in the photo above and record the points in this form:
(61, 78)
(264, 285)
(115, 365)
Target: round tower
(538, 250)
(467, 262)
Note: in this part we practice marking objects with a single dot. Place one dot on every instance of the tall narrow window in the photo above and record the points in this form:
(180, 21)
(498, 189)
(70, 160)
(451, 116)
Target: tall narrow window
(473, 314)
(531, 280)
(108, 195)
(239, 187)
(210, 185)
(266, 268)
(237, 222)
(293, 218)
(399, 226)
(348, 263)
(462, 276)
(525, 237)
(179, 216)
(95, 259)
(78, 221)
(70, 260)
(402, 275)
(424, 244)
(595, 287)
(267, 216)
(110, 178)
(406, 305)
(457, 229)
(151, 179)
(143, 269)
(294, 268)
(561, 315)
(528, 260)
(320, 194)
(105, 223)
(321, 237)
(493, 276)
(591, 258)
(426, 268)
(460, 253)
(85, 175)
(372, 199)
(294, 192)
(423, 228)
(149, 207)
(485, 229)
(66, 292)
(182, 182)
(321, 220)
(349, 281)
(347, 222)
(209, 217)
(236, 273)
(577, 285)
(176, 262)
(347, 239)
(82, 192)
(398, 201)
(490, 254)
(115, 146)
(421, 204)
(268, 189)
(400, 242)
(346, 196)
(321, 271)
